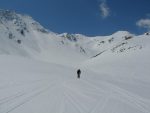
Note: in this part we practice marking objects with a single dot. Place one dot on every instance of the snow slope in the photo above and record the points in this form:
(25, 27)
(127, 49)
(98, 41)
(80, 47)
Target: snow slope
(38, 70)
(36, 86)
(20, 35)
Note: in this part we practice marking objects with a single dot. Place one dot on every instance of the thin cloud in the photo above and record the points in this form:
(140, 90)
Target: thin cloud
(104, 9)
(144, 23)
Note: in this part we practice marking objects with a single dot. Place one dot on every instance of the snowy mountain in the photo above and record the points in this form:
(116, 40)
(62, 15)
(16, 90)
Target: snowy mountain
(21, 35)
(24, 36)
(121, 41)
(38, 70)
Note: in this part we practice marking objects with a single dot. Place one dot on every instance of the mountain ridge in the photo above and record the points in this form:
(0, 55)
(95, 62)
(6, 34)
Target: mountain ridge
(24, 36)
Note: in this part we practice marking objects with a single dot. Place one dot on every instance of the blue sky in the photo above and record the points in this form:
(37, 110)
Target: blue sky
(88, 17)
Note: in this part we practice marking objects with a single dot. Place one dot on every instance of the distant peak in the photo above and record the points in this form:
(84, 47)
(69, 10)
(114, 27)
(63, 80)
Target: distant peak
(122, 33)
(8, 15)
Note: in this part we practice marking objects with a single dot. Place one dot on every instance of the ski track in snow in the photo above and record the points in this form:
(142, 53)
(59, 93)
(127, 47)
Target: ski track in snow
(97, 95)
(26, 96)
(127, 97)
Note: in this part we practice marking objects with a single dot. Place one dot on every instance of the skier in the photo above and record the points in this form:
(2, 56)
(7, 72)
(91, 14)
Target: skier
(78, 73)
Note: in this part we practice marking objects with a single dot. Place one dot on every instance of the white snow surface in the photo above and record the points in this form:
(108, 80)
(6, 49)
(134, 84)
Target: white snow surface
(38, 75)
